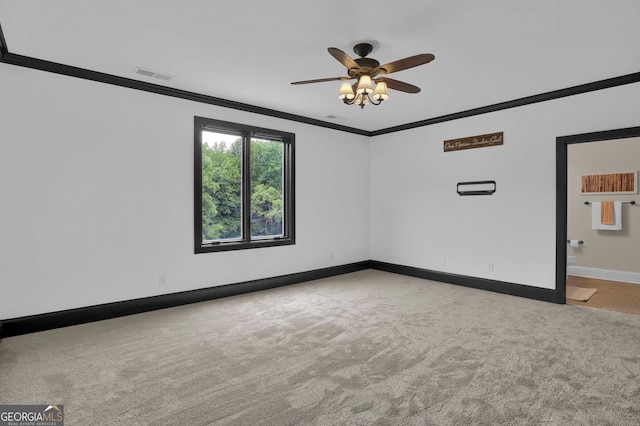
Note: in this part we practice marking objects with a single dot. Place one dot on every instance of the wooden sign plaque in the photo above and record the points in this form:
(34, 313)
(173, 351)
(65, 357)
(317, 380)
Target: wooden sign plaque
(480, 141)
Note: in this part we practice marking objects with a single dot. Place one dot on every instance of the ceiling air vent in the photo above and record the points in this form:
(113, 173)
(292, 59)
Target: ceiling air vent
(153, 74)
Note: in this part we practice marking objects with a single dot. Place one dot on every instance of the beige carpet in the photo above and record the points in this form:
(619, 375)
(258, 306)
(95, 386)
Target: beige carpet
(367, 348)
(579, 293)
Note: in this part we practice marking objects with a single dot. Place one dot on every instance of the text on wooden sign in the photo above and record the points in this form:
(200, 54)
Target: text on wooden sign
(480, 141)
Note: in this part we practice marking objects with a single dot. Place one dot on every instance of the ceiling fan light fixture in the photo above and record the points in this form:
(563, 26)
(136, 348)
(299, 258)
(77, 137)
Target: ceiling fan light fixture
(365, 85)
(363, 94)
(346, 91)
(381, 93)
(364, 70)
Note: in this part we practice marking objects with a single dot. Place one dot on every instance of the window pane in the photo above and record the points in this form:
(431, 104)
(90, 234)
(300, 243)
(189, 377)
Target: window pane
(243, 186)
(267, 194)
(221, 186)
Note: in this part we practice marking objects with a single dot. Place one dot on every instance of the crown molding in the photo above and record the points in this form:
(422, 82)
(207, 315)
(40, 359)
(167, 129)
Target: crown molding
(3, 44)
(528, 100)
(71, 71)
(86, 74)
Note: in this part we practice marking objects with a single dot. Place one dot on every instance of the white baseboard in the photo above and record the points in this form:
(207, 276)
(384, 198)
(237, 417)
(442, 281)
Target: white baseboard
(604, 274)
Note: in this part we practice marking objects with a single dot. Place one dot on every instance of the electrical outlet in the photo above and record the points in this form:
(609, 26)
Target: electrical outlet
(444, 260)
(491, 267)
(162, 280)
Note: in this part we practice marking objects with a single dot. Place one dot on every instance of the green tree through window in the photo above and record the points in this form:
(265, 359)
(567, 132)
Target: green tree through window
(243, 186)
(266, 188)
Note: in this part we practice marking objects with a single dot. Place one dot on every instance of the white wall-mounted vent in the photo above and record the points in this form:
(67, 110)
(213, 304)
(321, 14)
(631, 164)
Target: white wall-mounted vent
(149, 73)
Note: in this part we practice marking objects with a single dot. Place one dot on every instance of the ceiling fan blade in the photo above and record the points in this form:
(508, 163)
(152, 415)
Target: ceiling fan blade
(399, 85)
(403, 64)
(343, 58)
(321, 80)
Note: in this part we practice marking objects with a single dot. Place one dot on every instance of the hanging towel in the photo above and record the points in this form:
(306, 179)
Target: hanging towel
(607, 213)
(596, 217)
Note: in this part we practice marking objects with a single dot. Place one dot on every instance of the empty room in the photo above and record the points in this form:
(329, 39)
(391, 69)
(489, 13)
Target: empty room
(329, 213)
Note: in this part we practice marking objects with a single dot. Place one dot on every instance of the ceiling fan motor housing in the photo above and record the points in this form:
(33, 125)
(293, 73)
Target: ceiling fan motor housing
(357, 68)
(367, 66)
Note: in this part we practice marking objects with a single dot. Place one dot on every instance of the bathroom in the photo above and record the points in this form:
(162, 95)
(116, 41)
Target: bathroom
(598, 254)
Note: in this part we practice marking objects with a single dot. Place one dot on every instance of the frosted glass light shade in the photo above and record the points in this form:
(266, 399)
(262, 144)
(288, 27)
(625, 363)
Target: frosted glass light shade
(362, 99)
(346, 91)
(381, 93)
(365, 85)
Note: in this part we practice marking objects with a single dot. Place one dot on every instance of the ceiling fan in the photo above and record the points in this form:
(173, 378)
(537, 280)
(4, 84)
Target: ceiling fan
(368, 71)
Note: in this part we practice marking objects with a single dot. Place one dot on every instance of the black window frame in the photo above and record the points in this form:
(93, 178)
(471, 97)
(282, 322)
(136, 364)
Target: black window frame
(246, 132)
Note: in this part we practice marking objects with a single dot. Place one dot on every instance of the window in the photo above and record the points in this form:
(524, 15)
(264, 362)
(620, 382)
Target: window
(244, 189)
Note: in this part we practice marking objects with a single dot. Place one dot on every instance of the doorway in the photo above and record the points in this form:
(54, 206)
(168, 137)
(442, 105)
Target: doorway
(611, 294)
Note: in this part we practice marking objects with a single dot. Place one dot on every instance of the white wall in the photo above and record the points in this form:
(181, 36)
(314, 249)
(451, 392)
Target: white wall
(417, 218)
(96, 186)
